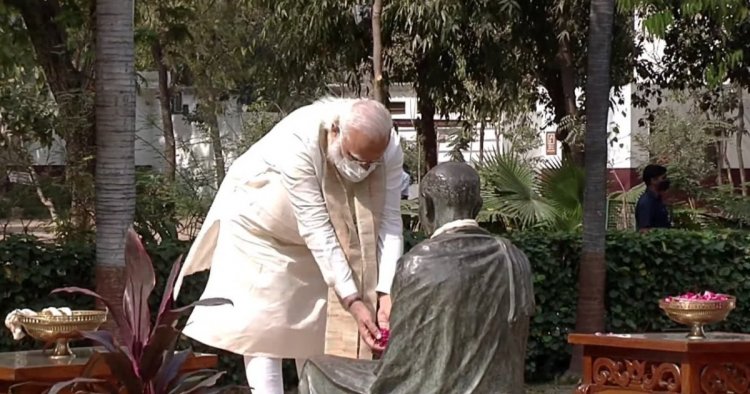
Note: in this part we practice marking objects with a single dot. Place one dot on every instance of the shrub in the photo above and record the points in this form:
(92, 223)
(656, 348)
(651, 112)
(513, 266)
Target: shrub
(641, 269)
(32, 269)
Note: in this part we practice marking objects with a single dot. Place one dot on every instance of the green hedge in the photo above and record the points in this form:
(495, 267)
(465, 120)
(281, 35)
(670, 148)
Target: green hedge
(641, 269)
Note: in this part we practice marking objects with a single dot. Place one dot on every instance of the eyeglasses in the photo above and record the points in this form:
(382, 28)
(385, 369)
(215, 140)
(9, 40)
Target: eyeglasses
(364, 163)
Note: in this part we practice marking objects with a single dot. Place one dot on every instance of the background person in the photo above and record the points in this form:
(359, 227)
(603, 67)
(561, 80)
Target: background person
(650, 211)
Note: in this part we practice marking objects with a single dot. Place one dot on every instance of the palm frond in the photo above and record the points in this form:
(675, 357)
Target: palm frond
(562, 185)
(629, 196)
(510, 188)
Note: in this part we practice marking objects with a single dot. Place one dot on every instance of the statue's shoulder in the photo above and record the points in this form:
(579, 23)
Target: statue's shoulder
(422, 248)
(504, 241)
(449, 245)
(517, 256)
(417, 254)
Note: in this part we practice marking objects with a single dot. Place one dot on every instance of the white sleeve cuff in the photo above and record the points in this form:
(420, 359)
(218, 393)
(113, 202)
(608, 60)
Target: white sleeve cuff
(383, 288)
(391, 249)
(346, 289)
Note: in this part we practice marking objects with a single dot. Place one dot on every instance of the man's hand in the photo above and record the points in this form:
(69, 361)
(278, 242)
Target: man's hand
(384, 311)
(366, 324)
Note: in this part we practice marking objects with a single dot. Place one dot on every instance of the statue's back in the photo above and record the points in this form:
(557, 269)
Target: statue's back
(462, 302)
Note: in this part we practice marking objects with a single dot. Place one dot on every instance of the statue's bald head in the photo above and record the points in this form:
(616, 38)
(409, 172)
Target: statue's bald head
(450, 191)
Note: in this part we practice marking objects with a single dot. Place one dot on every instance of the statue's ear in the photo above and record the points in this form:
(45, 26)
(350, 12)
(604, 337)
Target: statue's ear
(477, 207)
(427, 206)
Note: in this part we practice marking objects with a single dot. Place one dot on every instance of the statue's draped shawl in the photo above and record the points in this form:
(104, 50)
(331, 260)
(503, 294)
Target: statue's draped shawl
(459, 323)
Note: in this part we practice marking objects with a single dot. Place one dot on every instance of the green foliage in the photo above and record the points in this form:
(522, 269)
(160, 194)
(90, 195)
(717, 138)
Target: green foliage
(32, 269)
(517, 128)
(730, 210)
(551, 35)
(621, 208)
(155, 209)
(414, 159)
(523, 197)
(164, 210)
(681, 142)
(26, 106)
(311, 42)
(510, 188)
(705, 41)
(258, 119)
(448, 50)
(26, 111)
(25, 199)
(164, 24)
(146, 347)
(641, 269)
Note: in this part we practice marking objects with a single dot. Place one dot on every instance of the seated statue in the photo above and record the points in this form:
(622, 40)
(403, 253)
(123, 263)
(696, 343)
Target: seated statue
(461, 307)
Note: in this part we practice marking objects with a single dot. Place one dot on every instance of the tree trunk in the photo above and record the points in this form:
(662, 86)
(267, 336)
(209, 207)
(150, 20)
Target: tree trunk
(719, 163)
(567, 79)
(165, 97)
(740, 134)
(46, 201)
(427, 131)
(378, 86)
(80, 158)
(214, 134)
(590, 312)
(115, 132)
(498, 134)
(730, 177)
(481, 141)
(561, 87)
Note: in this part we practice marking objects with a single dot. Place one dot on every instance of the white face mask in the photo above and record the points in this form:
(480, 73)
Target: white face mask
(349, 169)
(353, 171)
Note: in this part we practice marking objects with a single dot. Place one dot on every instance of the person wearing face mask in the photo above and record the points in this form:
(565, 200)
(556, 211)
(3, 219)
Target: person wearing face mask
(650, 211)
(303, 237)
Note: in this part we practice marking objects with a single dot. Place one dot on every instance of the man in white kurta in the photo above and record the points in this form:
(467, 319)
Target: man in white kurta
(313, 205)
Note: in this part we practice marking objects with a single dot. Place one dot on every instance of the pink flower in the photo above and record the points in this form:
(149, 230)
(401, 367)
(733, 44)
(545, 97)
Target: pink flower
(384, 335)
(705, 296)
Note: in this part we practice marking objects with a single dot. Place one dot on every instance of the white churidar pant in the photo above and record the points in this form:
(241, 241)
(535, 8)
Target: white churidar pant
(264, 374)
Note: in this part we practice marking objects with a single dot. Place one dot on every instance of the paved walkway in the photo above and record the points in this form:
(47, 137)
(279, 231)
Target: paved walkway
(39, 228)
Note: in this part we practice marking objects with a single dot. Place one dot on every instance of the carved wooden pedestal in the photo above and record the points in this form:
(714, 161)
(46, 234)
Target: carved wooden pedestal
(33, 366)
(664, 363)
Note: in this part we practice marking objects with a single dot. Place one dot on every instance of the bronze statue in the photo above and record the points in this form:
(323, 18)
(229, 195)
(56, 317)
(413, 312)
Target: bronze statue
(461, 307)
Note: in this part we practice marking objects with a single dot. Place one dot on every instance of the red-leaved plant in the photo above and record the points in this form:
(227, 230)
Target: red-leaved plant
(146, 361)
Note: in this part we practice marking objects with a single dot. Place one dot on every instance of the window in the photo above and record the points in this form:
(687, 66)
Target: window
(176, 103)
(397, 107)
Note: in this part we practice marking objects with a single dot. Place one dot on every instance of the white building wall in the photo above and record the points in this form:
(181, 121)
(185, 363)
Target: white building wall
(195, 151)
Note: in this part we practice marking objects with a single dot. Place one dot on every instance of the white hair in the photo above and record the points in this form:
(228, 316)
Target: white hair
(367, 116)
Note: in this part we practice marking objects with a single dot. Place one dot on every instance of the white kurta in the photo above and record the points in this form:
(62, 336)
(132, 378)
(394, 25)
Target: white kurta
(269, 205)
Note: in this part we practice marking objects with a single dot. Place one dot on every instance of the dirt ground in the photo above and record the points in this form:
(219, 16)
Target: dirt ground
(550, 389)
(536, 389)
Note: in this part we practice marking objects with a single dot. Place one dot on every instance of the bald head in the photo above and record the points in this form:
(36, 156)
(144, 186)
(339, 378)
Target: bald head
(450, 191)
(365, 130)
(359, 132)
